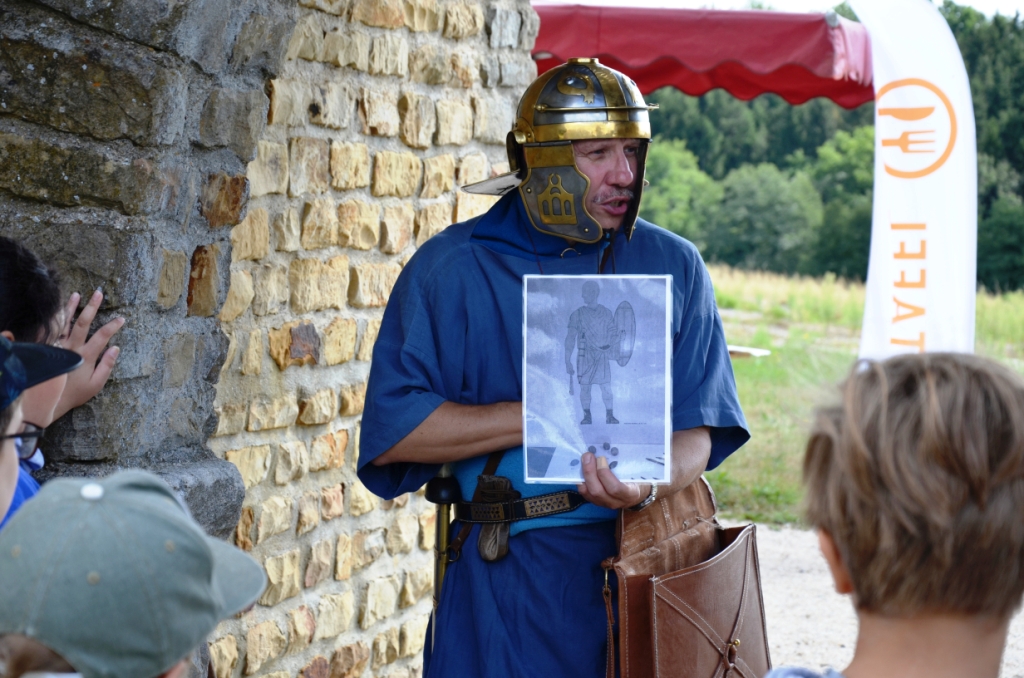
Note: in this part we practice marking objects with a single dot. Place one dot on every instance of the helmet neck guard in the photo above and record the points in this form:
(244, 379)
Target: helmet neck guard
(577, 101)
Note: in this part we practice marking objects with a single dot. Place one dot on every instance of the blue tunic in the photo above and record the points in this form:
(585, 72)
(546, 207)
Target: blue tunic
(452, 330)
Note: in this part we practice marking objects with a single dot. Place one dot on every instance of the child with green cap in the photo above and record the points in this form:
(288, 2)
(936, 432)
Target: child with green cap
(112, 578)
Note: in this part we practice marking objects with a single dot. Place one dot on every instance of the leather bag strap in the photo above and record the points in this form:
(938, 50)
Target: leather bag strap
(733, 657)
(455, 548)
(726, 648)
(607, 593)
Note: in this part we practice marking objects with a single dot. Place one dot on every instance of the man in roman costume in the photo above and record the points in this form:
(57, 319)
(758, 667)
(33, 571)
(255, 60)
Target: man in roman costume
(524, 596)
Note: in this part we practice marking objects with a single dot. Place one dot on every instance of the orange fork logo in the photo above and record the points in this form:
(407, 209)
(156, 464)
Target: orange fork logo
(907, 142)
(916, 141)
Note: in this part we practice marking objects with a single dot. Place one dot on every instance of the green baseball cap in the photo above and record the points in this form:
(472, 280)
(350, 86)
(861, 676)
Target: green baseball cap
(115, 576)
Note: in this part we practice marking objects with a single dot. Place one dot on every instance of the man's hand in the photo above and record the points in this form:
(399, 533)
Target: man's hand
(89, 379)
(569, 369)
(691, 449)
(601, 487)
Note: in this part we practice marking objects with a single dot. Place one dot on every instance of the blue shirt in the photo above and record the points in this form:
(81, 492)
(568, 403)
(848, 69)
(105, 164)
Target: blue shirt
(26, 488)
(452, 331)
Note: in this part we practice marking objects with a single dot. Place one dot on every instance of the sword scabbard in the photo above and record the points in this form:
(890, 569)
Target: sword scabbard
(443, 538)
(442, 490)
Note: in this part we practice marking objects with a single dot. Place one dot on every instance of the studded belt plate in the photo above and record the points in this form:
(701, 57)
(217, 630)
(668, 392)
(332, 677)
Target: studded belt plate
(521, 509)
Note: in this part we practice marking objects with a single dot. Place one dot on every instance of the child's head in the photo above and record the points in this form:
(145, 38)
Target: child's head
(918, 478)
(31, 312)
(30, 298)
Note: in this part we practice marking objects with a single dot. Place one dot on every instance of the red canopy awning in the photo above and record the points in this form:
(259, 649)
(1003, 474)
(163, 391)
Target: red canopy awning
(747, 53)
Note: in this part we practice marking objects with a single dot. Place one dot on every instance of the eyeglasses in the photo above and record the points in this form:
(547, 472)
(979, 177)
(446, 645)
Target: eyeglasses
(26, 441)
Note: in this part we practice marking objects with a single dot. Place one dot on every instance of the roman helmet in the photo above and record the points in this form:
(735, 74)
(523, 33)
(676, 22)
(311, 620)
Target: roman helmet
(579, 100)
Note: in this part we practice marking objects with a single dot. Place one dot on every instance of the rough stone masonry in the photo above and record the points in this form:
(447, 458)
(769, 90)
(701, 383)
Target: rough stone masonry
(245, 180)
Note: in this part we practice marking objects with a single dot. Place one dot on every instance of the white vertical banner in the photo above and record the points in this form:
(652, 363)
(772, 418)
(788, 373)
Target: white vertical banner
(921, 276)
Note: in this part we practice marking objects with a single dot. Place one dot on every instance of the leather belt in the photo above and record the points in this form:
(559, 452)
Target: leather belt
(520, 509)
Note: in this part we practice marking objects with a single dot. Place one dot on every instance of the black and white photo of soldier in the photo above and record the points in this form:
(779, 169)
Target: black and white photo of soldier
(598, 337)
(607, 330)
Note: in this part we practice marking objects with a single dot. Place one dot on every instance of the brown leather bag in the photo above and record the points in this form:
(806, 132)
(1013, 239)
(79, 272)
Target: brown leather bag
(689, 593)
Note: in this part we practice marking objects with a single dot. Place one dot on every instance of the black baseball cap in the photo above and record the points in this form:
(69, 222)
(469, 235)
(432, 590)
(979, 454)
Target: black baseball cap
(24, 365)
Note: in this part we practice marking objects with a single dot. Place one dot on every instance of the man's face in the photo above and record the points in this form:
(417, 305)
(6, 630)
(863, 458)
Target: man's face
(611, 166)
(9, 462)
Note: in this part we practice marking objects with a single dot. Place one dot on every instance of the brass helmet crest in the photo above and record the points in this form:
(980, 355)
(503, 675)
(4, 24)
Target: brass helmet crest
(579, 100)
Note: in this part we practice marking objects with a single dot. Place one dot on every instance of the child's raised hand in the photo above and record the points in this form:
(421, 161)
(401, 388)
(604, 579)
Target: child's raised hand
(97, 360)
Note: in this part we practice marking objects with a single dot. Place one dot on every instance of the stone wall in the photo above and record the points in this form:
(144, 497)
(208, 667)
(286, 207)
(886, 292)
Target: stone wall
(245, 179)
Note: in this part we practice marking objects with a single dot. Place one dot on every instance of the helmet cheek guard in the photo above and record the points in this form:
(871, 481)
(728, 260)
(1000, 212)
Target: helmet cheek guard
(555, 192)
(577, 101)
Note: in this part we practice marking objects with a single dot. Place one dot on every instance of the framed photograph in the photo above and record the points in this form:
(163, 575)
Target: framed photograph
(597, 375)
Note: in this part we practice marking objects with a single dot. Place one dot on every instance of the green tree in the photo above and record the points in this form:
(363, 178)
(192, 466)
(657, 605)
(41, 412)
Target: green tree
(843, 9)
(1001, 246)
(681, 197)
(845, 164)
(842, 245)
(996, 179)
(725, 133)
(721, 130)
(843, 174)
(993, 52)
(842, 169)
(805, 127)
(768, 219)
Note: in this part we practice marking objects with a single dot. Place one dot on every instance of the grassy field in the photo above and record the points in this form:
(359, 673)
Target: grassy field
(812, 327)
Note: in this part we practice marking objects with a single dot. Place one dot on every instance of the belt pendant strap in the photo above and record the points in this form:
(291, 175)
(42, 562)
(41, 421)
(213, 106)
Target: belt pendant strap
(493, 460)
(606, 592)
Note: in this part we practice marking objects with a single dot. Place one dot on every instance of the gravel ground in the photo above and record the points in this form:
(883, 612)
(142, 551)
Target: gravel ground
(809, 624)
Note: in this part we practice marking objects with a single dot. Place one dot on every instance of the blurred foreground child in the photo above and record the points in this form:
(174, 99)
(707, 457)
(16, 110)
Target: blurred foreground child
(112, 578)
(915, 483)
(22, 367)
(31, 311)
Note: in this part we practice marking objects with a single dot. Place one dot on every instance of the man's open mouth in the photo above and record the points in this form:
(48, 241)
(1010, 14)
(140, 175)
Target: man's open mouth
(616, 206)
